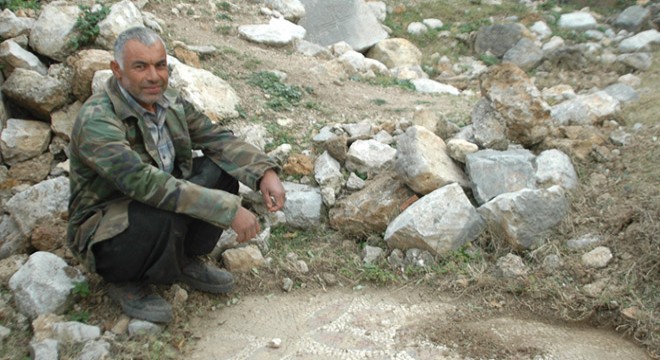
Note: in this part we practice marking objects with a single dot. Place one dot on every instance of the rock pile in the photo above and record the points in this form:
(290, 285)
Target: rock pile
(426, 185)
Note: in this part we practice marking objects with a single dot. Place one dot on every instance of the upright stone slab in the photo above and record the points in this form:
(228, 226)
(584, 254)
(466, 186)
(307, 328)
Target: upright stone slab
(331, 21)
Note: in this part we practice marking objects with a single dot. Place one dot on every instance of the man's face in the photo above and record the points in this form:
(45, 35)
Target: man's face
(145, 74)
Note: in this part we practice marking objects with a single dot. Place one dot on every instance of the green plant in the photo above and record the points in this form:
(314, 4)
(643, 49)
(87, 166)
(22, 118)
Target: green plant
(489, 59)
(81, 289)
(79, 316)
(379, 102)
(282, 96)
(87, 26)
(361, 175)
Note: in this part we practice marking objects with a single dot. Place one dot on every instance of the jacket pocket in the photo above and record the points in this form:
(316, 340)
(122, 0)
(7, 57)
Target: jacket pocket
(85, 232)
(113, 222)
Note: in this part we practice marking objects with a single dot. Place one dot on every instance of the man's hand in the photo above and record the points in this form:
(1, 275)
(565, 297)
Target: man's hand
(245, 225)
(272, 191)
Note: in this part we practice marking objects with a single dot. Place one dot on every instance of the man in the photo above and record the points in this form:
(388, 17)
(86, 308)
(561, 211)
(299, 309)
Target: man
(142, 209)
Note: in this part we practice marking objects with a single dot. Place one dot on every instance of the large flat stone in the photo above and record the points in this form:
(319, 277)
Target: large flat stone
(330, 21)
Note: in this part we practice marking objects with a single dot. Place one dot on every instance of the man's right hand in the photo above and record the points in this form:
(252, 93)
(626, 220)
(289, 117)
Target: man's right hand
(245, 225)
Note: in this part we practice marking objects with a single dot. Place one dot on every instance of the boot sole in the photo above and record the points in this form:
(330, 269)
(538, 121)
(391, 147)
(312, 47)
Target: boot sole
(157, 316)
(206, 287)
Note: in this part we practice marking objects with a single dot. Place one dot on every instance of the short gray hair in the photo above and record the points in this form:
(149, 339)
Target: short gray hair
(144, 35)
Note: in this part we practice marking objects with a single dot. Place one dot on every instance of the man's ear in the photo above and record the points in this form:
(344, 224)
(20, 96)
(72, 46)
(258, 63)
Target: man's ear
(116, 70)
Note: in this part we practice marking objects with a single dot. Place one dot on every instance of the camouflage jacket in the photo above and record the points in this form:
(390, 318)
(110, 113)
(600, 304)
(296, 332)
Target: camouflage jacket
(113, 160)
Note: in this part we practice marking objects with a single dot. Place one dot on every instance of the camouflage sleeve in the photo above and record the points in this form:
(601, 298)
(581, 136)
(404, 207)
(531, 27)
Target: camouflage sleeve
(102, 146)
(238, 158)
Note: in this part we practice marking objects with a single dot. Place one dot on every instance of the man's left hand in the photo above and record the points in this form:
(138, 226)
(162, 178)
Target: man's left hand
(272, 191)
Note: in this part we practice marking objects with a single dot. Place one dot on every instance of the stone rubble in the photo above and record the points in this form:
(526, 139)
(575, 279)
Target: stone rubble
(428, 186)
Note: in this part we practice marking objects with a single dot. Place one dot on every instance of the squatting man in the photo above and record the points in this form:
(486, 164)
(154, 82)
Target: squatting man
(143, 209)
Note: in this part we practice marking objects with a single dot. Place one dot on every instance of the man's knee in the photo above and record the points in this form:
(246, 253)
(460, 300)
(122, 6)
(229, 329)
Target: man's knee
(206, 173)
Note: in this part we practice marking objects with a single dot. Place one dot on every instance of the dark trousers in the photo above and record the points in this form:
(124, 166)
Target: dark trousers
(158, 243)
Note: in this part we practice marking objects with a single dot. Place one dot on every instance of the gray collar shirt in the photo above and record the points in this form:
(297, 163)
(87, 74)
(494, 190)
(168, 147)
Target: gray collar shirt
(158, 129)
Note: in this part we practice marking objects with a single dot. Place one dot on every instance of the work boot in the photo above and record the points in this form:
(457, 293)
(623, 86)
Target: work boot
(207, 278)
(138, 301)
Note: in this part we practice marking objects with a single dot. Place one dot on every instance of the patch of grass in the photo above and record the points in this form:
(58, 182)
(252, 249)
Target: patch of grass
(281, 96)
(313, 105)
(223, 29)
(378, 102)
(228, 50)
(378, 273)
(251, 63)
(15, 5)
(468, 27)
(223, 5)
(87, 26)
(604, 7)
(387, 81)
(280, 135)
(548, 5)
(241, 112)
(220, 72)
(572, 35)
(284, 240)
(223, 16)
(460, 18)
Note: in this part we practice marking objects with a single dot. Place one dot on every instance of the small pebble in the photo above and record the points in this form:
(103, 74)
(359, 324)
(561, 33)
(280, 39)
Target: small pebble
(275, 343)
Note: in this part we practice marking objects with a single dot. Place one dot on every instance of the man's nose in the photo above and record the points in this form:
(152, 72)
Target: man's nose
(152, 74)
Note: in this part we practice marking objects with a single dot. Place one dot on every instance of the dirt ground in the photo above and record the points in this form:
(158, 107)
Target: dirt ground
(398, 323)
